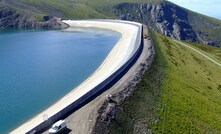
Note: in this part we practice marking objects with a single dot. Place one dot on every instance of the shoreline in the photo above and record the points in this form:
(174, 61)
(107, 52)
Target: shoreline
(116, 58)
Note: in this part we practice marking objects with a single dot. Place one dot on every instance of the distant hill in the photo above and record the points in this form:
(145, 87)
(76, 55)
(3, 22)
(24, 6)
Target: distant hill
(160, 15)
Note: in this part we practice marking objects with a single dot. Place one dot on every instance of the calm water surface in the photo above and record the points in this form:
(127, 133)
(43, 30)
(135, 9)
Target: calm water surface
(39, 67)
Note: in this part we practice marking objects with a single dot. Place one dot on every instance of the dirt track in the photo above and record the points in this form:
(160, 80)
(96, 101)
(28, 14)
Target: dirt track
(84, 119)
(207, 57)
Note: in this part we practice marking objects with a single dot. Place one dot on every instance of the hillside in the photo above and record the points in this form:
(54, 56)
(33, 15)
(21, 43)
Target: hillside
(213, 52)
(180, 93)
(160, 15)
(40, 14)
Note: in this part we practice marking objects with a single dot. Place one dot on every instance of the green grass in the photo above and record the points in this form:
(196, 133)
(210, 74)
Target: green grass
(107, 7)
(77, 8)
(59, 8)
(139, 108)
(179, 94)
(190, 99)
(39, 17)
(210, 51)
(100, 3)
(72, 8)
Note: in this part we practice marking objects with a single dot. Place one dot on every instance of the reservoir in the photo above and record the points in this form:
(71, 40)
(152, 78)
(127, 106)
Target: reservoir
(37, 68)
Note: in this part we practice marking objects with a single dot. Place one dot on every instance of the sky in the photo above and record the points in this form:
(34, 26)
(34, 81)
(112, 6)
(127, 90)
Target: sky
(208, 7)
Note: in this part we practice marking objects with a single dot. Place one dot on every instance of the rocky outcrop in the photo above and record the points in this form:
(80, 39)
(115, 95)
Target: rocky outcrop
(205, 39)
(168, 19)
(11, 18)
(50, 22)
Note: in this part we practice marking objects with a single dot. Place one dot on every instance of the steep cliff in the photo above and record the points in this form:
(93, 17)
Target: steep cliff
(10, 18)
(172, 20)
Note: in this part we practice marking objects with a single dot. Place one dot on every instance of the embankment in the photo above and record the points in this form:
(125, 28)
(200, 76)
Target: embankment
(120, 58)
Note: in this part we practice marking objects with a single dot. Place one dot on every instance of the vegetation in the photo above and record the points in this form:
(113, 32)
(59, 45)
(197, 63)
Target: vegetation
(208, 27)
(39, 17)
(58, 8)
(107, 7)
(139, 108)
(210, 51)
(72, 8)
(179, 94)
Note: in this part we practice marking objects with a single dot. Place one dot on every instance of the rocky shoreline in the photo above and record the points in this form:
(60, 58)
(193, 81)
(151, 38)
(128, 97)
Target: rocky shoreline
(50, 22)
(10, 18)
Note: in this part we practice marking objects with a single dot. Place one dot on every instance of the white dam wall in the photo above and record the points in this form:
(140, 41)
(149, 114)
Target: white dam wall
(121, 57)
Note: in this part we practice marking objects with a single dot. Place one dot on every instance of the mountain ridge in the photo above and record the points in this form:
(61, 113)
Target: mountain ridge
(162, 16)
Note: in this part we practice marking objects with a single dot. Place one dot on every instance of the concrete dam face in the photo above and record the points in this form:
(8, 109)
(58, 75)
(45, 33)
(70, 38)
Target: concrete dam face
(121, 57)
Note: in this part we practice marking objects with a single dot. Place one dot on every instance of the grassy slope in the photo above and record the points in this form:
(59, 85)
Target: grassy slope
(100, 3)
(210, 51)
(179, 94)
(59, 8)
(191, 93)
(72, 8)
(107, 7)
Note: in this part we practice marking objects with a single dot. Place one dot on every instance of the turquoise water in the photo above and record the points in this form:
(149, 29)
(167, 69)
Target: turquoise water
(39, 67)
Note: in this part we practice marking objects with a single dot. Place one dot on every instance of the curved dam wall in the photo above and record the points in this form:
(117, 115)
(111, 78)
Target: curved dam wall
(120, 59)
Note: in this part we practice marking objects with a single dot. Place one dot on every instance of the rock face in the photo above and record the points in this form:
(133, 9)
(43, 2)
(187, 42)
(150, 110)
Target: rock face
(166, 18)
(10, 18)
(50, 22)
